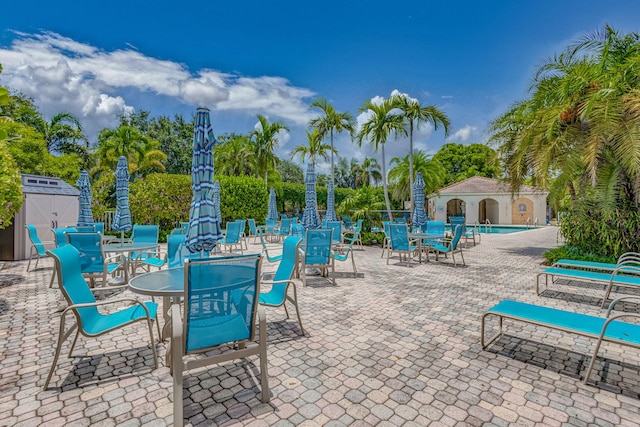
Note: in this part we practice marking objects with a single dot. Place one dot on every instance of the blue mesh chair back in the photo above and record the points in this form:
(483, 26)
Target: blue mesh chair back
(85, 228)
(399, 237)
(298, 230)
(457, 233)
(336, 226)
(221, 300)
(346, 219)
(286, 268)
(272, 222)
(318, 246)
(233, 233)
(89, 247)
(177, 252)
(60, 236)
(145, 233)
(385, 225)
(243, 225)
(324, 223)
(285, 227)
(252, 227)
(435, 227)
(458, 220)
(283, 216)
(99, 226)
(399, 220)
(35, 240)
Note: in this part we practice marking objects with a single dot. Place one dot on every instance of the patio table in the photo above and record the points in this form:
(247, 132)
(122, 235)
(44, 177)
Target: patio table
(127, 248)
(422, 239)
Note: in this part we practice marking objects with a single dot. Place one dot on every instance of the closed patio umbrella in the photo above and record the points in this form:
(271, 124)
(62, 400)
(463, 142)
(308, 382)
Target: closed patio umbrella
(204, 232)
(331, 210)
(216, 200)
(272, 212)
(419, 214)
(85, 216)
(122, 218)
(310, 218)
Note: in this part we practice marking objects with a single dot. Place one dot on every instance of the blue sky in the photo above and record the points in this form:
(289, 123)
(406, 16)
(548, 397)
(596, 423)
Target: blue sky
(472, 59)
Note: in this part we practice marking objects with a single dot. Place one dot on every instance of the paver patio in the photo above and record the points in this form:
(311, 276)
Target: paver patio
(395, 345)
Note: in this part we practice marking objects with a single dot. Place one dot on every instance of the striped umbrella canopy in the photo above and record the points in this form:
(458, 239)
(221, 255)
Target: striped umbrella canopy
(216, 199)
(331, 202)
(85, 216)
(122, 219)
(310, 218)
(272, 212)
(419, 214)
(204, 231)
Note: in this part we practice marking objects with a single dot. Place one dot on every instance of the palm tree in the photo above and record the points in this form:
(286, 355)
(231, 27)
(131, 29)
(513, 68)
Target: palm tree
(368, 171)
(265, 141)
(329, 123)
(234, 156)
(381, 123)
(432, 172)
(142, 152)
(362, 204)
(314, 149)
(63, 129)
(416, 114)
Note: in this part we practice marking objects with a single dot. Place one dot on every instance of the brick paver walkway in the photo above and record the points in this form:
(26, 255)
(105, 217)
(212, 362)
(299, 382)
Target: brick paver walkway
(395, 345)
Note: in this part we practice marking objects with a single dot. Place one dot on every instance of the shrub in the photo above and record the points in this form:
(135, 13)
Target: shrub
(11, 194)
(572, 252)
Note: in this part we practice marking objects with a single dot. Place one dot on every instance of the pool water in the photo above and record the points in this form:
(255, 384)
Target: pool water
(498, 229)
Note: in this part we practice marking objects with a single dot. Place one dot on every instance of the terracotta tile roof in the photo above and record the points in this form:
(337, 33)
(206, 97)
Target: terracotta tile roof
(482, 185)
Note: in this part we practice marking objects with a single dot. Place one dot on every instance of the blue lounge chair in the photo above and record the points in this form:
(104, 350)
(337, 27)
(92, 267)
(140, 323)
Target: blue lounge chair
(254, 231)
(602, 329)
(387, 237)
(82, 303)
(283, 280)
(597, 266)
(243, 235)
(627, 274)
(219, 315)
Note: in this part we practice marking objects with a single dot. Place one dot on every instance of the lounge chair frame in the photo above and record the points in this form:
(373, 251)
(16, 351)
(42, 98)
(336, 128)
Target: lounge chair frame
(612, 329)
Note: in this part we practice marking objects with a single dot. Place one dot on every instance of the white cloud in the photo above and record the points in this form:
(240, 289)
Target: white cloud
(61, 74)
(463, 134)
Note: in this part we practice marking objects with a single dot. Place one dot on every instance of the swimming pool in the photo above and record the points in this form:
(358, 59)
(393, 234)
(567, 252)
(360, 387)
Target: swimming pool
(498, 229)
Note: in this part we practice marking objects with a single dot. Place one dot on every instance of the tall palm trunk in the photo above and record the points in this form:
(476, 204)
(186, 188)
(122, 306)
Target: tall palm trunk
(332, 178)
(411, 207)
(384, 183)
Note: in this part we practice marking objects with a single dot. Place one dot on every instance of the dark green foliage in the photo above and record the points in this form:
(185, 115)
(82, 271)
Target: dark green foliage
(465, 161)
(571, 252)
(602, 231)
(243, 197)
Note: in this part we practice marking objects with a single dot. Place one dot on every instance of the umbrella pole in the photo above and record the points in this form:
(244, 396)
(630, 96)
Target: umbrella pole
(122, 238)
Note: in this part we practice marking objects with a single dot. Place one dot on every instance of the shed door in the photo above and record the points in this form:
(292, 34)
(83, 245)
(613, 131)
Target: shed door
(47, 211)
(65, 210)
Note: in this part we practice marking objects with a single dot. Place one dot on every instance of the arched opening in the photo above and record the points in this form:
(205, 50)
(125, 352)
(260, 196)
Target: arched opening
(455, 207)
(488, 209)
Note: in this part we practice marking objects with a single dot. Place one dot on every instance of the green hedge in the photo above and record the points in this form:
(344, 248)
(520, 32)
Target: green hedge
(291, 197)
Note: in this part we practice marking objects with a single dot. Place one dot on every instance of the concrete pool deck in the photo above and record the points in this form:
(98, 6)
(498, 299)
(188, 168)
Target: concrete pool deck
(394, 345)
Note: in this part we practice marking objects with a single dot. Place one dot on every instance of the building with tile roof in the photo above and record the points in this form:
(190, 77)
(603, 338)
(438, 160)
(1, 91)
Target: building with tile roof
(480, 199)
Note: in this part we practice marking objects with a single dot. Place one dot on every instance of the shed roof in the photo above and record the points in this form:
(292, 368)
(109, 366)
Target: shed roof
(35, 184)
(482, 185)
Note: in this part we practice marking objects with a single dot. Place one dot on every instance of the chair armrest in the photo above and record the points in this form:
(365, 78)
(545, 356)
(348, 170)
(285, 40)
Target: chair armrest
(177, 339)
(617, 300)
(113, 257)
(157, 253)
(276, 282)
(107, 302)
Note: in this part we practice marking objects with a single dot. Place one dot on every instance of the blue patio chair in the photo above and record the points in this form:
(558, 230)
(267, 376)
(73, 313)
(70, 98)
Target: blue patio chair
(99, 227)
(232, 236)
(346, 219)
(219, 315)
(434, 227)
(284, 230)
(243, 235)
(84, 228)
(316, 253)
(93, 263)
(283, 216)
(149, 258)
(399, 220)
(399, 242)
(342, 251)
(449, 246)
(38, 247)
(283, 280)
(60, 239)
(468, 234)
(177, 251)
(254, 231)
(337, 231)
(89, 321)
(185, 227)
(298, 230)
(265, 251)
(271, 227)
(387, 237)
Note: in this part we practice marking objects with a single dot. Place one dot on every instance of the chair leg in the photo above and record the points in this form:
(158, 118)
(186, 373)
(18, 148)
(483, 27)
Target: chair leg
(294, 301)
(153, 343)
(62, 336)
(264, 374)
(30, 258)
(353, 262)
(53, 276)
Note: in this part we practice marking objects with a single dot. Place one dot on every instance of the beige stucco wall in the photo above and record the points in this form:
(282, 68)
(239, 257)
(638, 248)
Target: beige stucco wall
(504, 211)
